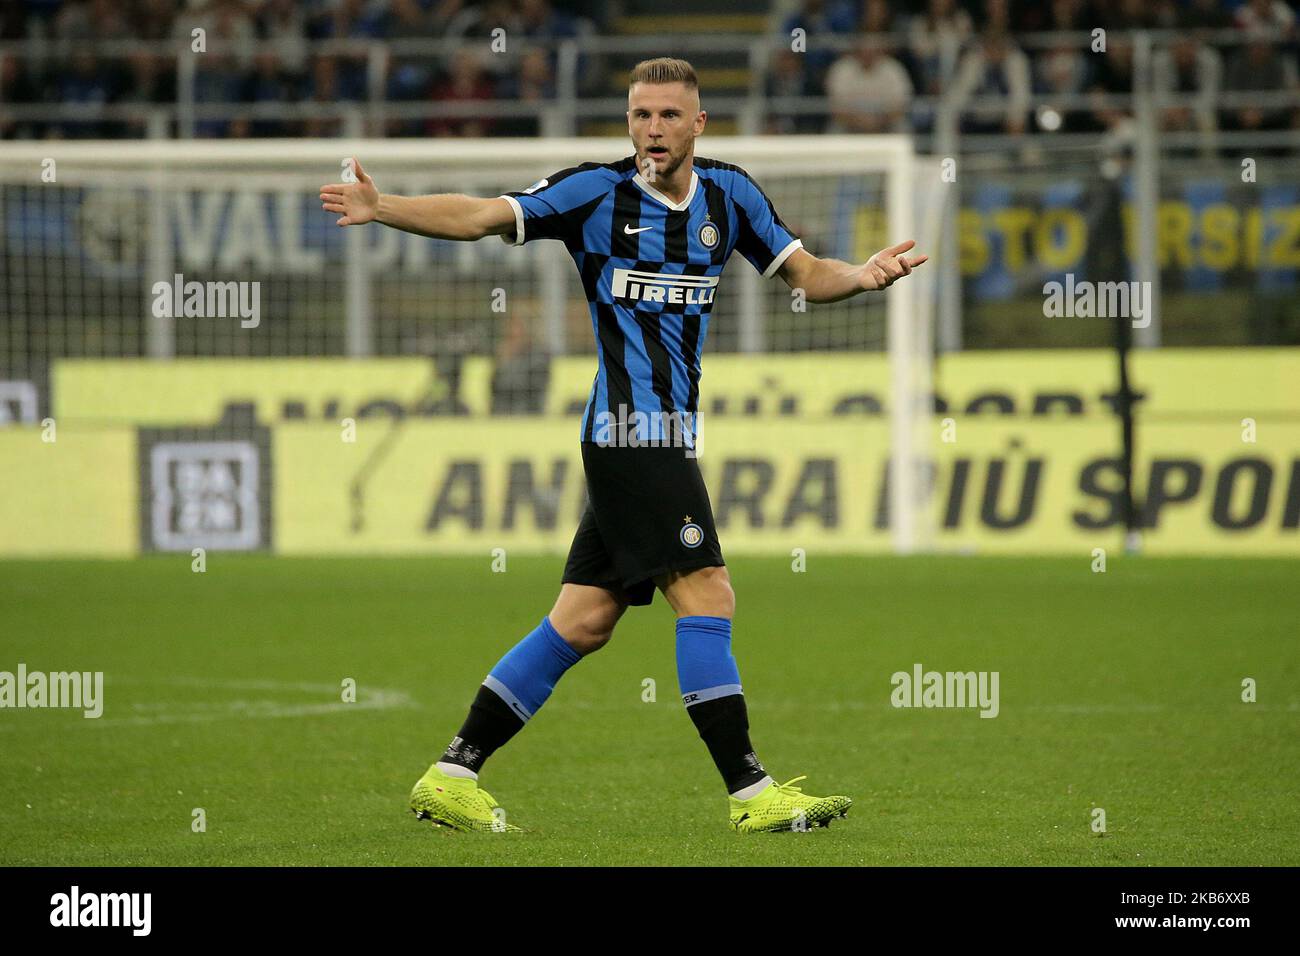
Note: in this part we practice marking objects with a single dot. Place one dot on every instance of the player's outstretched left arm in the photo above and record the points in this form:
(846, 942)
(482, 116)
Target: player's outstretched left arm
(830, 280)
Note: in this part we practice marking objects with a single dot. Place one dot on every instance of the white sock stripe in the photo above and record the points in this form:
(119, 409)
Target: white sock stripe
(710, 693)
(506, 694)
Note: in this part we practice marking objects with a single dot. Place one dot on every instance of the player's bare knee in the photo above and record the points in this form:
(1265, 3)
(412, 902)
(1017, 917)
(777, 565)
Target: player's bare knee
(705, 591)
(720, 595)
(593, 629)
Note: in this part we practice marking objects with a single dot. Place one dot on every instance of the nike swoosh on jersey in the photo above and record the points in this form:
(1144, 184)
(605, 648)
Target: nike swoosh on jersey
(628, 230)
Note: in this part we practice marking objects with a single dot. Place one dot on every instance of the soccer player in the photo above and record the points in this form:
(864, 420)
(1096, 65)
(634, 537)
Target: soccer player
(649, 234)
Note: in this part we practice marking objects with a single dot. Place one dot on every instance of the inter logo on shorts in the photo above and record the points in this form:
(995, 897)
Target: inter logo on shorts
(692, 535)
(708, 234)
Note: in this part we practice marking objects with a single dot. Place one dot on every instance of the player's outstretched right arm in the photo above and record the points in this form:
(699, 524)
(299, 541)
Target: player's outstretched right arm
(443, 216)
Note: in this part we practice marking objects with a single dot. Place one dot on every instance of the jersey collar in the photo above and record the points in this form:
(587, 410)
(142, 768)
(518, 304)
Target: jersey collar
(675, 206)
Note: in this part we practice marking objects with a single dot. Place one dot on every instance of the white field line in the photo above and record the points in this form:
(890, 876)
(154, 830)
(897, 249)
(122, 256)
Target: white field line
(176, 712)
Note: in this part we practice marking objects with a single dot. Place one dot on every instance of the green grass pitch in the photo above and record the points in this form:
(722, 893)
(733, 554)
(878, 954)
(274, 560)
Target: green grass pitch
(1119, 690)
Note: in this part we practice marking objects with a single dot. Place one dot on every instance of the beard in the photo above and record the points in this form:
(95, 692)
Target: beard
(672, 163)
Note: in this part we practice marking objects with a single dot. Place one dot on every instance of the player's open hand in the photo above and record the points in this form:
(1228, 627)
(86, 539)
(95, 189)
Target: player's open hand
(358, 202)
(888, 265)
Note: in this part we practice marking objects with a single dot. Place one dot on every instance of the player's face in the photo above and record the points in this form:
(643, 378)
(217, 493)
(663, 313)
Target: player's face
(663, 120)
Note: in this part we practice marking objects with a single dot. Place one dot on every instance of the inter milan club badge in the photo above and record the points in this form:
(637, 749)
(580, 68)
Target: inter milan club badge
(708, 234)
(692, 535)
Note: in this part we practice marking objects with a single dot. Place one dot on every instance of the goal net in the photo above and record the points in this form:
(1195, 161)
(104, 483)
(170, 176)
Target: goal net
(185, 314)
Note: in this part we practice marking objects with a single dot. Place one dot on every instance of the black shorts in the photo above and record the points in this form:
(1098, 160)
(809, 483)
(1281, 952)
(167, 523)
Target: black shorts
(647, 513)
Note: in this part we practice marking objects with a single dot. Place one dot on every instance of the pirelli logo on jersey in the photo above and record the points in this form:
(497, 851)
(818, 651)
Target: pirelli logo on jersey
(658, 287)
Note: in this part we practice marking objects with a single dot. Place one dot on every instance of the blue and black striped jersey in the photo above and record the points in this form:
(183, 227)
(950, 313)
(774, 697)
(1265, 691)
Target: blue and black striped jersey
(650, 270)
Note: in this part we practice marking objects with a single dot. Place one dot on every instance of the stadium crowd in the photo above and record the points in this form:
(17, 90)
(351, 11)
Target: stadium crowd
(982, 51)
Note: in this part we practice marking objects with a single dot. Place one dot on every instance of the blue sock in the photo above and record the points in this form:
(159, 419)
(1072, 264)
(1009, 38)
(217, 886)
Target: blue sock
(710, 685)
(705, 668)
(525, 677)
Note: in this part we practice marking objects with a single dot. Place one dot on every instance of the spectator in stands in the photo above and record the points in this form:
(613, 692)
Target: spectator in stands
(1166, 14)
(1070, 15)
(935, 39)
(217, 80)
(84, 83)
(269, 83)
(152, 83)
(1188, 67)
(532, 82)
(81, 22)
(877, 17)
(1060, 72)
(152, 19)
(503, 16)
(1030, 17)
(228, 31)
(465, 82)
(38, 18)
(17, 86)
(543, 22)
(453, 18)
(869, 90)
(1267, 15)
(498, 14)
(548, 26)
(1205, 15)
(324, 92)
(819, 20)
(408, 20)
(410, 76)
(1259, 67)
(997, 16)
(1129, 15)
(995, 67)
(788, 77)
(1113, 76)
(284, 23)
(355, 20)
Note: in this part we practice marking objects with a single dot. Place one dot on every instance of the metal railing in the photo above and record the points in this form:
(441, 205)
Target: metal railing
(576, 96)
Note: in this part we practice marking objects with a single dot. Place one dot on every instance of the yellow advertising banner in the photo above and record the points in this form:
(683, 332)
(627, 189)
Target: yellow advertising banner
(1174, 383)
(68, 490)
(1023, 460)
(197, 391)
(996, 487)
(1045, 383)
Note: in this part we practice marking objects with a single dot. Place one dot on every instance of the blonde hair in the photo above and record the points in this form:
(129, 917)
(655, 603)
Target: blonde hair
(664, 69)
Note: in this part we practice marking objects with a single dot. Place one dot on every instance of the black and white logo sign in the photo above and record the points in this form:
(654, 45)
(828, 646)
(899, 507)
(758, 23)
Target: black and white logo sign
(205, 495)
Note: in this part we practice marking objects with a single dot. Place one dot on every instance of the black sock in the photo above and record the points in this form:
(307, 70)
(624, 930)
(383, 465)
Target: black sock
(723, 724)
(489, 724)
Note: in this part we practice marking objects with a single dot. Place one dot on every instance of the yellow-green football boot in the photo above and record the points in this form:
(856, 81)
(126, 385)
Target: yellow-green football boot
(785, 807)
(458, 803)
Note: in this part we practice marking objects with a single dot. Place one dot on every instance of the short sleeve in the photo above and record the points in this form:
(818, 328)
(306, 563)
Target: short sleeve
(557, 206)
(762, 237)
